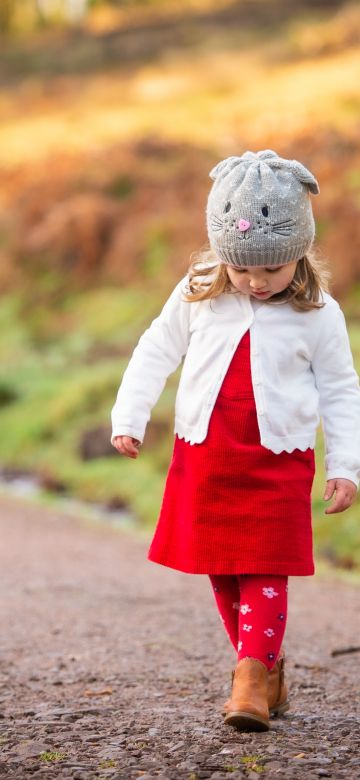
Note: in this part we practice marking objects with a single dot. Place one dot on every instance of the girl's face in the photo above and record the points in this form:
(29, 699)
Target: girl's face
(261, 281)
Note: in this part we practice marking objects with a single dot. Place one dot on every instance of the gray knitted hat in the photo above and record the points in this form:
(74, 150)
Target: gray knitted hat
(259, 210)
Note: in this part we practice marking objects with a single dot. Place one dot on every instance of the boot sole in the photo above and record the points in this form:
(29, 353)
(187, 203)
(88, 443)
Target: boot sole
(246, 721)
(280, 710)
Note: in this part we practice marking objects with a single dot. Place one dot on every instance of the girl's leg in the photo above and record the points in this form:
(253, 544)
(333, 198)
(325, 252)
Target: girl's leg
(262, 616)
(226, 592)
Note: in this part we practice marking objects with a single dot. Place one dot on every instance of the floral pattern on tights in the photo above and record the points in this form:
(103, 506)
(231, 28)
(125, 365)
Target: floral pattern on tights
(263, 598)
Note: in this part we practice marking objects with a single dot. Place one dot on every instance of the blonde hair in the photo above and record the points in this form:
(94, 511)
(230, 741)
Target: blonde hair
(208, 278)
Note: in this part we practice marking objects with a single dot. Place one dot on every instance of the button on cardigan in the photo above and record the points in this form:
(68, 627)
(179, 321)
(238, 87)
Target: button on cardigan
(301, 365)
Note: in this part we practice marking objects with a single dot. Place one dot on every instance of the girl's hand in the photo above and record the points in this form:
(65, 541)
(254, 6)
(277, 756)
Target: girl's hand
(128, 446)
(345, 494)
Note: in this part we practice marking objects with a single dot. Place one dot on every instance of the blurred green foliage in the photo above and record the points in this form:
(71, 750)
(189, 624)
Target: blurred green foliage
(157, 244)
(121, 187)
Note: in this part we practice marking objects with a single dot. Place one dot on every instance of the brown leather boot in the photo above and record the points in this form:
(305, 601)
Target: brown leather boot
(248, 709)
(226, 705)
(277, 689)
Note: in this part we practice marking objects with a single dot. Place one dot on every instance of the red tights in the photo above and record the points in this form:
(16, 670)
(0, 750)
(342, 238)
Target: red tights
(253, 608)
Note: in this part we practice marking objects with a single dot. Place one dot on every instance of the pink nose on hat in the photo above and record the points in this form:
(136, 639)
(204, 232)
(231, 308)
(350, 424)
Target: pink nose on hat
(243, 224)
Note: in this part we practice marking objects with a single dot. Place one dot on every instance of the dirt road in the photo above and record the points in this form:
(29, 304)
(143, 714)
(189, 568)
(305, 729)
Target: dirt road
(112, 666)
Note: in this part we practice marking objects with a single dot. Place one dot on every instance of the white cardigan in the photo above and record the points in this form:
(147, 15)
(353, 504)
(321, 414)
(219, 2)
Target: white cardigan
(301, 366)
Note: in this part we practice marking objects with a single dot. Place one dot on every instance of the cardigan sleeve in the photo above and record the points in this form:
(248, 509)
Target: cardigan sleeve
(158, 353)
(339, 390)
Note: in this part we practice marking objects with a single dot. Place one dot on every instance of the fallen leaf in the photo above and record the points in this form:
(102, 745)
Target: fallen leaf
(103, 692)
(300, 755)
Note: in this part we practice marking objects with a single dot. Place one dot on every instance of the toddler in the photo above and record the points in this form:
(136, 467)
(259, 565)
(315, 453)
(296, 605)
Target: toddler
(266, 356)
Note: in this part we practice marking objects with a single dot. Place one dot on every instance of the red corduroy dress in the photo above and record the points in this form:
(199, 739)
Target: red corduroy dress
(230, 505)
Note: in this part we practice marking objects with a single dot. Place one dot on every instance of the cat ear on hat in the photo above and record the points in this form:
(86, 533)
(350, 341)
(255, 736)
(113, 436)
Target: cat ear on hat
(299, 170)
(224, 166)
(306, 177)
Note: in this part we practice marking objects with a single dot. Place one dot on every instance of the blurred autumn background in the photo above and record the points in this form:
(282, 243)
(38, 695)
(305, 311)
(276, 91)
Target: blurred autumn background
(112, 114)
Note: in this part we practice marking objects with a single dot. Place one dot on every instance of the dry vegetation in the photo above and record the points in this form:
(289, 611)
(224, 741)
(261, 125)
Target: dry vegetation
(88, 157)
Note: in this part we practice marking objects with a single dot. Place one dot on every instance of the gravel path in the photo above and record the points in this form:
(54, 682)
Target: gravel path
(112, 666)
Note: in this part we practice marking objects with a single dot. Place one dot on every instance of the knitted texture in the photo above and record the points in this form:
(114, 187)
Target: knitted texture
(259, 210)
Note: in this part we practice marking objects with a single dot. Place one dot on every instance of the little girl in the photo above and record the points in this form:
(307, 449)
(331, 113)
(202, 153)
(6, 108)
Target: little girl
(266, 354)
